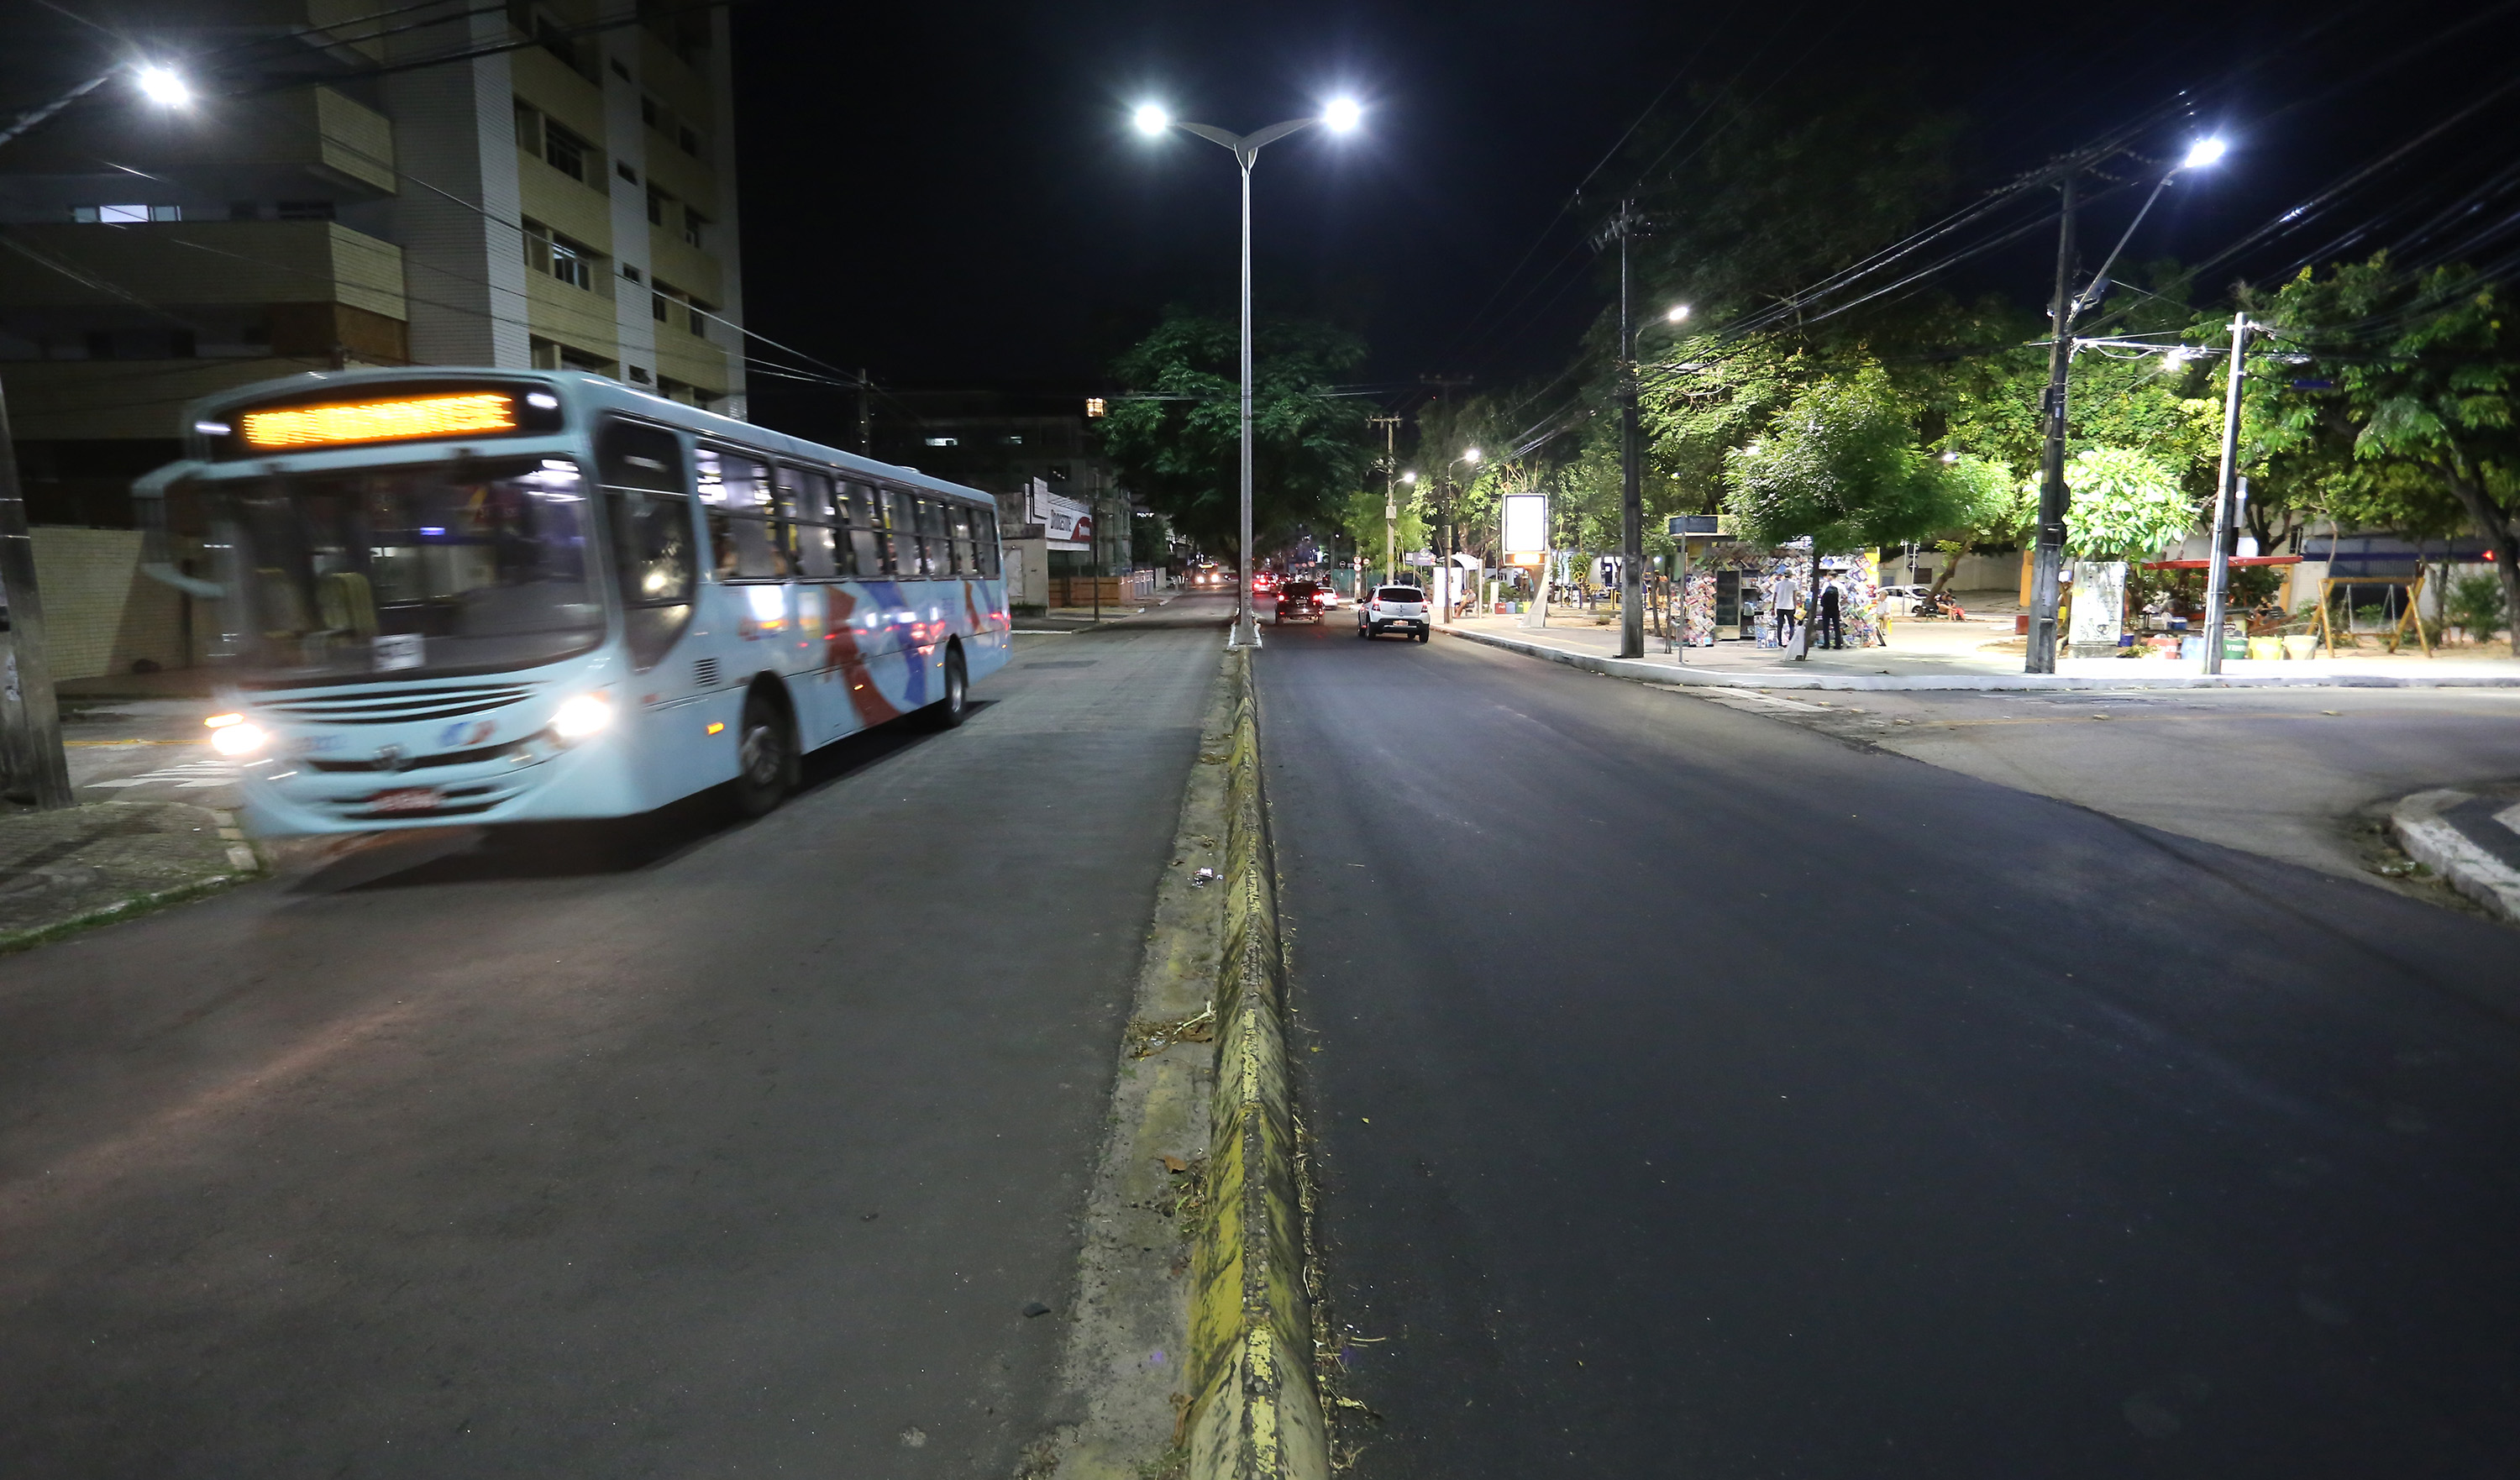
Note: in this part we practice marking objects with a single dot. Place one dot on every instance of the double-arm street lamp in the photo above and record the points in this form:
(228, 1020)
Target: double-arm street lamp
(2049, 550)
(1342, 117)
(30, 728)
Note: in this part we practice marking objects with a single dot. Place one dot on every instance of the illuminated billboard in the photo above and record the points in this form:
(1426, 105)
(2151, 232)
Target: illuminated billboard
(1526, 528)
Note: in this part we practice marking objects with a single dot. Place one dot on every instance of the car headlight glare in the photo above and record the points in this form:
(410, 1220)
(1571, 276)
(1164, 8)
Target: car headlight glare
(237, 738)
(582, 716)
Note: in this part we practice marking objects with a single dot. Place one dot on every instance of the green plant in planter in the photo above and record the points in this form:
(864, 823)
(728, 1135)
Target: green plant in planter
(2475, 605)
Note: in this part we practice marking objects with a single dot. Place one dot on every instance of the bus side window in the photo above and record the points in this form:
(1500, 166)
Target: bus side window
(735, 490)
(860, 553)
(652, 548)
(958, 521)
(805, 522)
(934, 558)
(985, 530)
(900, 535)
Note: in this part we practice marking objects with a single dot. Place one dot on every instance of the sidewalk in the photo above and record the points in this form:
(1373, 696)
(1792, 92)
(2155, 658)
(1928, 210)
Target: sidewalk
(1946, 655)
(84, 863)
(2471, 838)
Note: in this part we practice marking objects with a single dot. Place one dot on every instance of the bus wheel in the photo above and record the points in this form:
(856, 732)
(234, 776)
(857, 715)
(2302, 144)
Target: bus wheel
(948, 712)
(765, 756)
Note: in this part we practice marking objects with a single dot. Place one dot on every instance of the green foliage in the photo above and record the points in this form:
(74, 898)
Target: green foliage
(2426, 370)
(1841, 465)
(2476, 605)
(2126, 505)
(1175, 435)
(1359, 516)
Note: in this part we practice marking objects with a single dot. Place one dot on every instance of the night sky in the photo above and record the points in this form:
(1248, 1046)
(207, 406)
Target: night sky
(952, 195)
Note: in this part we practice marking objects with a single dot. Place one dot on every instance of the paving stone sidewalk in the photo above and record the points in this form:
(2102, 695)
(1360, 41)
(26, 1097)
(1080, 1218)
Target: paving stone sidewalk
(90, 863)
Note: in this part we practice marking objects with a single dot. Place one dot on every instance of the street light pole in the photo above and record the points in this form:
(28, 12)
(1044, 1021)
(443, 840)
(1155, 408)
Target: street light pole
(1340, 116)
(1632, 507)
(2054, 498)
(2219, 573)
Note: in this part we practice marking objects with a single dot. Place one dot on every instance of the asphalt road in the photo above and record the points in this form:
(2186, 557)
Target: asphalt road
(1701, 1095)
(693, 1148)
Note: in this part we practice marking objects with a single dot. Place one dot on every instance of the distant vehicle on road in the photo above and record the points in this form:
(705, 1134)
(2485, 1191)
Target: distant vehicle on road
(1391, 608)
(496, 595)
(1299, 601)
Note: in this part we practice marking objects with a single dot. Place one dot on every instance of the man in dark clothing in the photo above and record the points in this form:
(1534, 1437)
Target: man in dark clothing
(1830, 634)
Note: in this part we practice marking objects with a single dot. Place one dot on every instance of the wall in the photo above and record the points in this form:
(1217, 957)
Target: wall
(100, 614)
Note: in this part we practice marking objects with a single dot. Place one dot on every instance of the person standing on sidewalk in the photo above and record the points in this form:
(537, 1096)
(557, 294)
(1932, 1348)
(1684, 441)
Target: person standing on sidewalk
(1785, 597)
(1832, 632)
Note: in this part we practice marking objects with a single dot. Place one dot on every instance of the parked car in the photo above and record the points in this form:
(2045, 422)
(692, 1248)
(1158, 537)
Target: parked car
(1299, 601)
(1393, 607)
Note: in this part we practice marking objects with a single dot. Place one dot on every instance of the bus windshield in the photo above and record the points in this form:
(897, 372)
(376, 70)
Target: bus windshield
(452, 566)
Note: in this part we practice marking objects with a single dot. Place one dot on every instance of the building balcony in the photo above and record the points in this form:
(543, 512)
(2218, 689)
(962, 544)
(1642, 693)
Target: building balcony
(202, 262)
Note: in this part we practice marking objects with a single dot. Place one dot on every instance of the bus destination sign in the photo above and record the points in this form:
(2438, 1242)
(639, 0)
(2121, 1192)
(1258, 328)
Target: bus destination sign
(403, 419)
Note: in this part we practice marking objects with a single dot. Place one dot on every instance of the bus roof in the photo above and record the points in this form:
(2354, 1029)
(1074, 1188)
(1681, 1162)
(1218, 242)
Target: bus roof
(587, 393)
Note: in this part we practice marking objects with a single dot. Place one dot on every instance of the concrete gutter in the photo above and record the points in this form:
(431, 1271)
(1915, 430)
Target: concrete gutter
(2437, 843)
(1684, 676)
(1254, 1412)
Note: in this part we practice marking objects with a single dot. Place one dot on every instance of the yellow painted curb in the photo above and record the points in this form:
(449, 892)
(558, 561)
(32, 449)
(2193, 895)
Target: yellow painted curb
(1254, 1413)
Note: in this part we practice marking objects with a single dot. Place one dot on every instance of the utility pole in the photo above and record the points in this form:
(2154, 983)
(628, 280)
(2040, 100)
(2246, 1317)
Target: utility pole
(1632, 512)
(2218, 576)
(30, 718)
(2047, 551)
(1391, 426)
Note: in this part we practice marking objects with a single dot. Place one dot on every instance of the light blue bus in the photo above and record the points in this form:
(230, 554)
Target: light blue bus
(470, 596)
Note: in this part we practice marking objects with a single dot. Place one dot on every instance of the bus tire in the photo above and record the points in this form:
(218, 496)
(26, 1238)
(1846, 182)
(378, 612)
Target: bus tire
(766, 763)
(948, 712)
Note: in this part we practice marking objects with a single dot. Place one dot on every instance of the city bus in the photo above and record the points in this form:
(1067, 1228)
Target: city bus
(481, 597)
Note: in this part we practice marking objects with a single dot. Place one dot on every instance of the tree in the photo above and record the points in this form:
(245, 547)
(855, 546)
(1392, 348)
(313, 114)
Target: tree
(1841, 464)
(2424, 368)
(1174, 435)
(2126, 504)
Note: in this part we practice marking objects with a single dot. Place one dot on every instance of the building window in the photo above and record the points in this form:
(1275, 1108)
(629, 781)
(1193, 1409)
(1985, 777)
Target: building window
(1094, 406)
(656, 202)
(1012, 439)
(661, 307)
(565, 152)
(630, 272)
(694, 142)
(942, 442)
(639, 374)
(165, 213)
(86, 215)
(626, 172)
(572, 262)
(652, 112)
(123, 215)
(305, 211)
(695, 316)
(529, 127)
(693, 224)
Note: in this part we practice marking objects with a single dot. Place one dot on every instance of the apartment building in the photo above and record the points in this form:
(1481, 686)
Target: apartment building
(354, 182)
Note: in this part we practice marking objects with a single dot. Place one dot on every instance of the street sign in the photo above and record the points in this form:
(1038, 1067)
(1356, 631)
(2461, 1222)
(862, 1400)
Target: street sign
(1692, 524)
(1419, 557)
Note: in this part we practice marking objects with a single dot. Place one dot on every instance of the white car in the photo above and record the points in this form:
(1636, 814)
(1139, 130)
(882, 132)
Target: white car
(1393, 606)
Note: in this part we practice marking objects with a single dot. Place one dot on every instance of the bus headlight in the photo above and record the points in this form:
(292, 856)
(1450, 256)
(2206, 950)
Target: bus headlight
(582, 716)
(233, 734)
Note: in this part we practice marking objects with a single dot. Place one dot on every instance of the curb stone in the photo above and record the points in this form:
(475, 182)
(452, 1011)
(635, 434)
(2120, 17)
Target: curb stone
(2436, 842)
(1255, 1411)
(1682, 676)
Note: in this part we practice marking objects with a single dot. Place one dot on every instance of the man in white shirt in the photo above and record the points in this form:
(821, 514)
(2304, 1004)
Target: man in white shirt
(1783, 595)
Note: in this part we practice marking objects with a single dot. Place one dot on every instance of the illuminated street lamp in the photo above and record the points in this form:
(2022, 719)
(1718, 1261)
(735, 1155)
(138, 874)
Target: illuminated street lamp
(30, 733)
(2048, 541)
(1341, 116)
